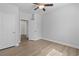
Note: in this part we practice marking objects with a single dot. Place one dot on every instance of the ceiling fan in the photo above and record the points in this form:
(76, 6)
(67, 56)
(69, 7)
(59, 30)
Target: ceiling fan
(41, 6)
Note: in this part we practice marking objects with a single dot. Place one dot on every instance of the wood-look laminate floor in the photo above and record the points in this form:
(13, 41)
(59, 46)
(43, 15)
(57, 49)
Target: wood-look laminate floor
(39, 48)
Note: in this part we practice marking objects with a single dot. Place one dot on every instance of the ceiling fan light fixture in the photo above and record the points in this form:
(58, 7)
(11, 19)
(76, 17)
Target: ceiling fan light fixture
(41, 6)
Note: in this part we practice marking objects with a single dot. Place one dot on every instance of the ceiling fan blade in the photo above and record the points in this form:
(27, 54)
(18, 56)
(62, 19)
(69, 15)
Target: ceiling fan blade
(36, 3)
(48, 5)
(36, 8)
(44, 9)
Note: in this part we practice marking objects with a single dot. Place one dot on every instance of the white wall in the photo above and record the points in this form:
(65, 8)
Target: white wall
(25, 16)
(35, 27)
(0, 26)
(62, 25)
(23, 23)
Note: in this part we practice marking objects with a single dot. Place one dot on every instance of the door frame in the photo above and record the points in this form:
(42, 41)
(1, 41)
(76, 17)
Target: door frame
(27, 35)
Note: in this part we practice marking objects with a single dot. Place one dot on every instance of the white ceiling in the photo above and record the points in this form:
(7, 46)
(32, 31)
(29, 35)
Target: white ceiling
(28, 7)
(25, 7)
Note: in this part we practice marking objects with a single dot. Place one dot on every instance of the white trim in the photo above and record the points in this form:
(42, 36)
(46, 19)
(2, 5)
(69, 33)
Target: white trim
(35, 39)
(17, 45)
(63, 43)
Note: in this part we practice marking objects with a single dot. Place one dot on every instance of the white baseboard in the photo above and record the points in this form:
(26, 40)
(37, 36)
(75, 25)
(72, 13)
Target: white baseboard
(63, 43)
(17, 45)
(35, 39)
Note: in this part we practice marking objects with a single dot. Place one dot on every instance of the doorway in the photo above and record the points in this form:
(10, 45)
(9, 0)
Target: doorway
(24, 29)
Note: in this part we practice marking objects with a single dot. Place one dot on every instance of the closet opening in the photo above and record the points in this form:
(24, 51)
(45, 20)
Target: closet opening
(24, 29)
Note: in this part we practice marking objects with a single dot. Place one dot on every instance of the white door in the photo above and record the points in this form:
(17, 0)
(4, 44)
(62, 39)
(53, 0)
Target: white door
(32, 30)
(35, 28)
(8, 31)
